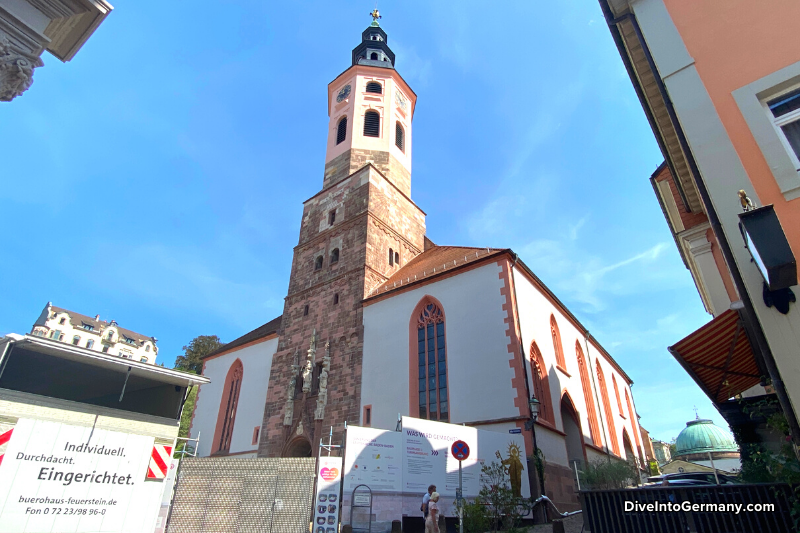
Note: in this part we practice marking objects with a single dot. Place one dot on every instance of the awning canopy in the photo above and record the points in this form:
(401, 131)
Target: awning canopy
(719, 357)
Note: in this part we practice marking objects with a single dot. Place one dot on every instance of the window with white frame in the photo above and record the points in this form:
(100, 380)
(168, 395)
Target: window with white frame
(785, 111)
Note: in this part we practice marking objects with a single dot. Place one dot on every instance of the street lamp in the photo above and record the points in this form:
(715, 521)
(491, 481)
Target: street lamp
(534, 405)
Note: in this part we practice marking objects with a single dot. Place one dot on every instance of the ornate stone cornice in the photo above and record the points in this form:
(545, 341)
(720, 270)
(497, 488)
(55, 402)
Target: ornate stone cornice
(16, 70)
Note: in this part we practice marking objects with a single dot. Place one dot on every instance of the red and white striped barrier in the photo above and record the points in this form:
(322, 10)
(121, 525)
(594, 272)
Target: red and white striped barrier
(159, 462)
(4, 438)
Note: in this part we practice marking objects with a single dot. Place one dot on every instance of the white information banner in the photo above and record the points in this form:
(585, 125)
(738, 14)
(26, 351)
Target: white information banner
(72, 479)
(421, 452)
(374, 458)
(328, 498)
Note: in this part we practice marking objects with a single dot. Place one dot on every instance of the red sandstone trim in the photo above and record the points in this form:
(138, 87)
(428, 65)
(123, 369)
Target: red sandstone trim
(612, 430)
(223, 405)
(433, 278)
(237, 348)
(583, 370)
(563, 371)
(513, 334)
(632, 414)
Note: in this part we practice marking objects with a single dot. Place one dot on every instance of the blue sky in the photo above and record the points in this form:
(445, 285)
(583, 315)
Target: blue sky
(158, 178)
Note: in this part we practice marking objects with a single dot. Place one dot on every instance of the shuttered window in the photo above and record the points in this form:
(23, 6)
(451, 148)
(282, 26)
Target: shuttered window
(374, 86)
(372, 124)
(399, 137)
(341, 130)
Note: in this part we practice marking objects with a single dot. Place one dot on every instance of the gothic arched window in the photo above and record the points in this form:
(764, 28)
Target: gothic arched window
(227, 408)
(341, 130)
(399, 137)
(541, 387)
(431, 356)
(372, 124)
(374, 86)
(591, 413)
(632, 414)
(557, 346)
(601, 381)
(616, 393)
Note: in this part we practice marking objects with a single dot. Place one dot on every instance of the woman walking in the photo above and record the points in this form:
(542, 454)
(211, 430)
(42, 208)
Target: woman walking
(432, 522)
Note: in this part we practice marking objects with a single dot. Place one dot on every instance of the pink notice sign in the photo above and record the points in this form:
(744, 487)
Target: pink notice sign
(328, 497)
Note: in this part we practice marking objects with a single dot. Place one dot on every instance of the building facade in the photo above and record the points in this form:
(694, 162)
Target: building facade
(95, 334)
(720, 85)
(380, 322)
(28, 28)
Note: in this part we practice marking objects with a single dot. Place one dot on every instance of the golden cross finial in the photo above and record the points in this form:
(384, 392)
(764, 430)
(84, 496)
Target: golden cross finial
(375, 15)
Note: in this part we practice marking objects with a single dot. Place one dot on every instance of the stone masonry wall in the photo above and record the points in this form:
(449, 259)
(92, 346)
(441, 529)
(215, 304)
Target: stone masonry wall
(371, 216)
(350, 161)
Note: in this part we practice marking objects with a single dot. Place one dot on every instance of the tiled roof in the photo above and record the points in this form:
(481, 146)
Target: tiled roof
(434, 261)
(77, 320)
(260, 332)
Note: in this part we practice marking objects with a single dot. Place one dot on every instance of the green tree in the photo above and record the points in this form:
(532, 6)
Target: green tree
(191, 360)
(188, 411)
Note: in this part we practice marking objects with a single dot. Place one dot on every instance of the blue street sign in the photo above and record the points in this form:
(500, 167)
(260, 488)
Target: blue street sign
(515, 430)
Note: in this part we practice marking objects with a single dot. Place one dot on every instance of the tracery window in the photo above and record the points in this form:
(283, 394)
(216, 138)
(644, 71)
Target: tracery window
(541, 387)
(601, 381)
(230, 401)
(557, 346)
(591, 413)
(432, 358)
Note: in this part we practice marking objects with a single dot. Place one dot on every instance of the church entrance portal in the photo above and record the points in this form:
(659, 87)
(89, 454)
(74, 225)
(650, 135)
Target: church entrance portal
(298, 448)
(574, 435)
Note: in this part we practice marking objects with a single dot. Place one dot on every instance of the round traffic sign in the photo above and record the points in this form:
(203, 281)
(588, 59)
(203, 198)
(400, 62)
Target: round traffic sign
(460, 450)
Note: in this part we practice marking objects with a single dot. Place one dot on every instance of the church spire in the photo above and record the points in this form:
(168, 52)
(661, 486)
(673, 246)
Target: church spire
(373, 49)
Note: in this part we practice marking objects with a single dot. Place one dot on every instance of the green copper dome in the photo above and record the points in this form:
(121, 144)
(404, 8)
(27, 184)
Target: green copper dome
(702, 436)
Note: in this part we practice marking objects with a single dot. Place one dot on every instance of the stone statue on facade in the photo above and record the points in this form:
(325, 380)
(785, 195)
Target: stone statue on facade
(309, 370)
(289, 411)
(322, 398)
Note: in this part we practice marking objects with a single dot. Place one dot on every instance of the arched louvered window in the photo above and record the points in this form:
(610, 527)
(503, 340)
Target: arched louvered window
(399, 137)
(612, 430)
(227, 409)
(374, 87)
(431, 358)
(341, 130)
(335, 256)
(586, 385)
(318, 263)
(541, 387)
(557, 346)
(372, 124)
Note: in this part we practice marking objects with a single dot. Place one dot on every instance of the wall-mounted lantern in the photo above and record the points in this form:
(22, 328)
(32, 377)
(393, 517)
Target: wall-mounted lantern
(765, 240)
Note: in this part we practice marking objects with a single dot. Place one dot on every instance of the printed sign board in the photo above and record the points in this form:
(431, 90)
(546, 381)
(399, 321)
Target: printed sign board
(328, 498)
(373, 458)
(420, 456)
(55, 477)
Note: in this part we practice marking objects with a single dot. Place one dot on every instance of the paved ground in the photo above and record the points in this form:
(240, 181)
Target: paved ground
(572, 524)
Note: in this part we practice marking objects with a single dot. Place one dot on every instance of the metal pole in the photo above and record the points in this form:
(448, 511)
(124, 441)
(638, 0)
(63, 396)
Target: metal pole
(459, 502)
(714, 467)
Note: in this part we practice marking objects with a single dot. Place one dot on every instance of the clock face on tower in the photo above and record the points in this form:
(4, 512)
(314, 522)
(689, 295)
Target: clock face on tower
(400, 100)
(344, 93)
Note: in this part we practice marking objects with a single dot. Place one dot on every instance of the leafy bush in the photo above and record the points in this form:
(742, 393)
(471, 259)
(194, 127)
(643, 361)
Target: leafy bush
(605, 474)
(476, 518)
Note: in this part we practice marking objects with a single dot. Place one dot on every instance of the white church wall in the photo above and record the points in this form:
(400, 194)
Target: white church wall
(534, 310)
(256, 363)
(479, 376)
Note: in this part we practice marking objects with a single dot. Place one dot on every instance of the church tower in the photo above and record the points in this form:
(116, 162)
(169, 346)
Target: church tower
(355, 233)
